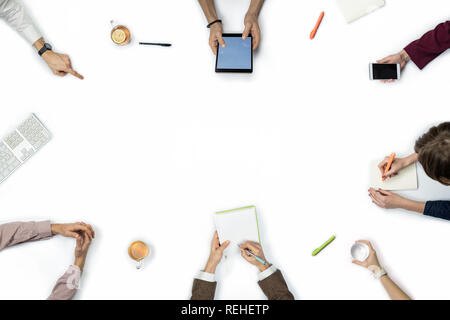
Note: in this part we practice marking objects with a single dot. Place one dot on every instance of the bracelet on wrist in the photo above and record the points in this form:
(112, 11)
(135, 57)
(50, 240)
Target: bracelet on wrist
(213, 22)
(379, 273)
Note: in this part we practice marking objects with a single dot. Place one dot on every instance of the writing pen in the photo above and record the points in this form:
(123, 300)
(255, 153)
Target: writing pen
(315, 252)
(388, 165)
(254, 256)
(155, 44)
(313, 33)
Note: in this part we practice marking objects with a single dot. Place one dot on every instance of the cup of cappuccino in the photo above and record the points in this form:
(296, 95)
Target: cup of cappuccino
(138, 251)
(120, 34)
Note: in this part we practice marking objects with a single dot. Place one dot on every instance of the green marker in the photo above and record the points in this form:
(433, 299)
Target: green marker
(323, 246)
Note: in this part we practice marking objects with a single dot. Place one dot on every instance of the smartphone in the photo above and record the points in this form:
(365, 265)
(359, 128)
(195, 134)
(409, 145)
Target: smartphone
(384, 71)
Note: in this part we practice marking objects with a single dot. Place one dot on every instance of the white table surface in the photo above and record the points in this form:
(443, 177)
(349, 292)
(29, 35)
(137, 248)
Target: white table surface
(153, 142)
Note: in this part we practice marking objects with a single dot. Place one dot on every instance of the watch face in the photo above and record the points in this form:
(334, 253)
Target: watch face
(45, 48)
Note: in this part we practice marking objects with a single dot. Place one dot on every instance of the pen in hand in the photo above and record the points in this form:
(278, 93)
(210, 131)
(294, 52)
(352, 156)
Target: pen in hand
(248, 252)
(388, 166)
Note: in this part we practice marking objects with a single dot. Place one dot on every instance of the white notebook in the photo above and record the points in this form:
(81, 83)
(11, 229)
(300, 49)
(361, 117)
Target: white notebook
(405, 180)
(355, 9)
(238, 226)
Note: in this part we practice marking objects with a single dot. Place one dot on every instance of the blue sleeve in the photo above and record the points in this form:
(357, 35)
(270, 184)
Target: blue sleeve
(438, 209)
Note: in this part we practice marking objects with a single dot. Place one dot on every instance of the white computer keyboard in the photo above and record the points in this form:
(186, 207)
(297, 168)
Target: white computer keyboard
(21, 144)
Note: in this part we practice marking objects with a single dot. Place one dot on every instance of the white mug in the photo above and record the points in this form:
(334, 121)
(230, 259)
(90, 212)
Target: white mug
(360, 251)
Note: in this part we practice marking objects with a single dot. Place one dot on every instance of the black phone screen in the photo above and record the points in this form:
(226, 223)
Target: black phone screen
(384, 71)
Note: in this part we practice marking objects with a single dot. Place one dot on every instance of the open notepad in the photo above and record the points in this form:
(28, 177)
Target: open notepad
(238, 226)
(405, 180)
(355, 9)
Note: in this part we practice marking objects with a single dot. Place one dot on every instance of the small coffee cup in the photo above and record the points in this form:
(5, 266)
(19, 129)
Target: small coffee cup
(120, 34)
(138, 251)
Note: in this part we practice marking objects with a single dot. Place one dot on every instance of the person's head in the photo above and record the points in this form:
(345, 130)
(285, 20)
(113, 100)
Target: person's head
(433, 149)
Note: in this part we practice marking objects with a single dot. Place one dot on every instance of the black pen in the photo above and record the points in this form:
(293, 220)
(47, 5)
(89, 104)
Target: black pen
(155, 44)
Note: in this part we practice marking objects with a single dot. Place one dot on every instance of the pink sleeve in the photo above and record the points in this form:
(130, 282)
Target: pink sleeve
(19, 232)
(66, 286)
(430, 45)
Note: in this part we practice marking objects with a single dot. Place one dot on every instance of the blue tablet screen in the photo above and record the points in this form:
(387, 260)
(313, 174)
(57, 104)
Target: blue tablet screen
(237, 54)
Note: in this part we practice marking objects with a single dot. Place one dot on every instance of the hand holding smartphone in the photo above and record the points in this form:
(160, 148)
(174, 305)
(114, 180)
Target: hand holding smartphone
(384, 71)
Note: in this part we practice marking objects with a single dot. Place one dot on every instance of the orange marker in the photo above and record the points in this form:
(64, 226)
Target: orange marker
(313, 33)
(389, 164)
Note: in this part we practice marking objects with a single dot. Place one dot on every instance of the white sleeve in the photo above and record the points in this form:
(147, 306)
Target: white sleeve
(15, 15)
(206, 276)
(266, 273)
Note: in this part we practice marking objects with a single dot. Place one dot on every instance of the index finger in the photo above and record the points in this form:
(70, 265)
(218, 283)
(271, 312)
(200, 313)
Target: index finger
(87, 238)
(87, 241)
(359, 263)
(378, 196)
(88, 226)
(75, 74)
(80, 227)
(372, 191)
(384, 192)
(382, 165)
(384, 60)
(246, 256)
(383, 162)
(92, 230)
(253, 246)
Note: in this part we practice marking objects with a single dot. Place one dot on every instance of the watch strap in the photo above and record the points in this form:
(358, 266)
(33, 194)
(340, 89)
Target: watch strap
(381, 272)
(45, 48)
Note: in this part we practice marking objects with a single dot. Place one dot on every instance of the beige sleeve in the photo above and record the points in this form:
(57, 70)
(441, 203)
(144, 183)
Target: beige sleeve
(18, 232)
(66, 286)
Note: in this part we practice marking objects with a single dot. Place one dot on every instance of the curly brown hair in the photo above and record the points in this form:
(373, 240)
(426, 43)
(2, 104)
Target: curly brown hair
(433, 149)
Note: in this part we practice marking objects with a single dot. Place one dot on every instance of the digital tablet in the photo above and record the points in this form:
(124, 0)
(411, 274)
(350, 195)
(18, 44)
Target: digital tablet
(237, 56)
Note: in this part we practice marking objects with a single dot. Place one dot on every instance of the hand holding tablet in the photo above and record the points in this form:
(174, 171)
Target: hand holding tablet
(236, 56)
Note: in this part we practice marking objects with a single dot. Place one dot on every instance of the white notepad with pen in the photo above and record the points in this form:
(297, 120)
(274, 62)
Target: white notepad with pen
(237, 226)
(355, 9)
(405, 180)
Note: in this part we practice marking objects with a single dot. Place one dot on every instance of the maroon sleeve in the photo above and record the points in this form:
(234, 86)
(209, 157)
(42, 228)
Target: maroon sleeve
(431, 45)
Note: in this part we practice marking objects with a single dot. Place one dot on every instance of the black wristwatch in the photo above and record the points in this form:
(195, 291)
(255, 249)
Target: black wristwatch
(45, 48)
